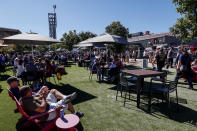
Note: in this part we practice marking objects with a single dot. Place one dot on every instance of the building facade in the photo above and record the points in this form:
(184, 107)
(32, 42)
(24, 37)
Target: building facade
(5, 32)
(150, 40)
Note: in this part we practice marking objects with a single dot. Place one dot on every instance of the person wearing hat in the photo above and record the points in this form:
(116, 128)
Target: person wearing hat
(14, 86)
(46, 100)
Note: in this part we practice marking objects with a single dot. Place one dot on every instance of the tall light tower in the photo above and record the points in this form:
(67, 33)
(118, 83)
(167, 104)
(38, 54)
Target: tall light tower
(52, 23)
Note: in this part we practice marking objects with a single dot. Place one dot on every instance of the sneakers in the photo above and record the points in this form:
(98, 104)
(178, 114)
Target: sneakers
(70, 98)
(79, 114)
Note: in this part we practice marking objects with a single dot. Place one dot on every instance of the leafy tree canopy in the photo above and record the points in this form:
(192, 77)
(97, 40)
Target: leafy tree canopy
(116, 28)
(86, 35)
(72, 38)
(185, 27)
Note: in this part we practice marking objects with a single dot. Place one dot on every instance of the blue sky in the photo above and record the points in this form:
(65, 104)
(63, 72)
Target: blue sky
(88, 15)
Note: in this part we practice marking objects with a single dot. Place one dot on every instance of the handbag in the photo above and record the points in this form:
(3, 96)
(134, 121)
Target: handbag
(183, 68)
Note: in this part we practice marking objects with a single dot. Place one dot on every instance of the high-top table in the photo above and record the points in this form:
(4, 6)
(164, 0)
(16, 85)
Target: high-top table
(140, 74)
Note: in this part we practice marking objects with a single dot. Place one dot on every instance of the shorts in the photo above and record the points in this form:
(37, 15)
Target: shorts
(54, 104)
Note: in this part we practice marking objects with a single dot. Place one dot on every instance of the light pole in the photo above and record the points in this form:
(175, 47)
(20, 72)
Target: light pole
(52, 23)
(54, 7)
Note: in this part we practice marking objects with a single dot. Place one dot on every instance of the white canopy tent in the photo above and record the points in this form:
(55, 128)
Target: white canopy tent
(105, 39)
(30, 39)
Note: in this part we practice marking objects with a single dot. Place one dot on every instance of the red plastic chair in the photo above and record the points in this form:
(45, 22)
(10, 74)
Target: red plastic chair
(35, 118)
(10, 94)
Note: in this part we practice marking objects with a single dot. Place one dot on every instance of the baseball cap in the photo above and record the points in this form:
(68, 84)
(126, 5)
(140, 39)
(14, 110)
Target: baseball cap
(12, 79)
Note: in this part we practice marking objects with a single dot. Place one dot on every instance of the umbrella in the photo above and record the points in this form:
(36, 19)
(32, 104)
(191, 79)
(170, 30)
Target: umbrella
(105, 38)
(30, 39)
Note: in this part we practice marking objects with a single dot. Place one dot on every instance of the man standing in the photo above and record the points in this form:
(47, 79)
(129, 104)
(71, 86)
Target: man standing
(170, 57)
(184, 67)
(160, 59)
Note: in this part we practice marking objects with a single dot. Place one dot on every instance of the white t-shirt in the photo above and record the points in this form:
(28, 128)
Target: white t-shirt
(20, 70)
(127, 53)
(16, 62)
(112, 65)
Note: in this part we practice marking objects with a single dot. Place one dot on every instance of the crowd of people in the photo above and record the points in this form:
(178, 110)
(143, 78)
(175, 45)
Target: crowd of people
(184, 60)
(35, 100)
(101, 63)
(30, 67)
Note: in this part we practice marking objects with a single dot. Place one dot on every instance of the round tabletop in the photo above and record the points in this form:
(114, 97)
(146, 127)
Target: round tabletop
(70, 121)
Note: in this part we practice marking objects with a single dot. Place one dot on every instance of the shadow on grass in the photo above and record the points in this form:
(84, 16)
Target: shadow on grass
(67, 89)
(182, 85)
(182, 115)
(160, 109)
(70, 63)
(132, 67)
(4, 77)
(9, 68)
(1, 90)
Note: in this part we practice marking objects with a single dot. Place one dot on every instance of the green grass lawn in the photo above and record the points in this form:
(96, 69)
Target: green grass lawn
(104, 113)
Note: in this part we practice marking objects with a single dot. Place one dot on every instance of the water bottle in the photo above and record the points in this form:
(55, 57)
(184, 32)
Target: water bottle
(37, 85)
(61, 113)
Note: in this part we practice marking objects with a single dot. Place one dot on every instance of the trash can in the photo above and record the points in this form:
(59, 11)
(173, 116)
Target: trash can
(144, 63)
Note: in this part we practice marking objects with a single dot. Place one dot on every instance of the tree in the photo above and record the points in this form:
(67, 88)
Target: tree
(20, 47)
(41, 48)
(186, 27)
(116, 28)
(181, 30)
(186, 6)
(70, 39)
(56, 46)
(86, 35)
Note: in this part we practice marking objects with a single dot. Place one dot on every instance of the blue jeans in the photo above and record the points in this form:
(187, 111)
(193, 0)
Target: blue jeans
(188, 78)
(99, 74)
(159, 67)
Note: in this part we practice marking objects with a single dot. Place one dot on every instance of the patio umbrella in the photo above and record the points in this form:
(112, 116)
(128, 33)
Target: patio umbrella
(105, 38)
(30, 39)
